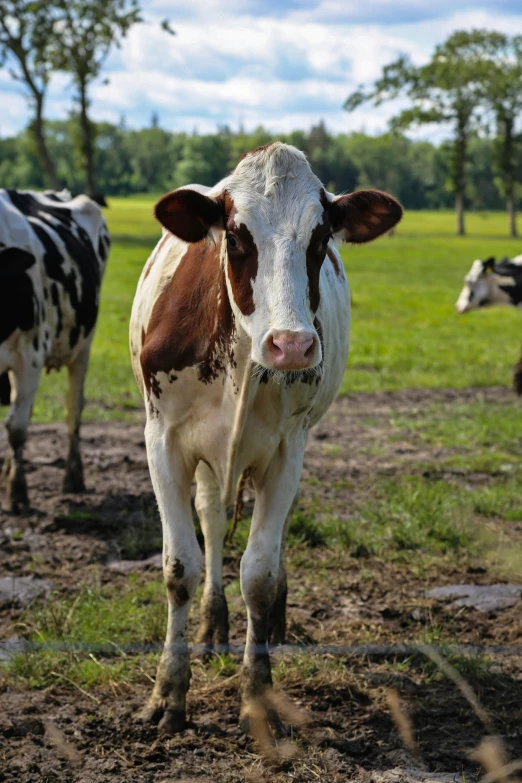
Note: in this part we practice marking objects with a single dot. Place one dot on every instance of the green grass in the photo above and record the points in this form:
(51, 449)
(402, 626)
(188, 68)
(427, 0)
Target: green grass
(405, 332)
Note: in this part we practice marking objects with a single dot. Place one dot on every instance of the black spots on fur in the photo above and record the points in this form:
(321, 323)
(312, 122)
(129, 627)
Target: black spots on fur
(74, 336)
(18, 302)
(48, 221)
(5, 389)
(55, 299)
(35, 342)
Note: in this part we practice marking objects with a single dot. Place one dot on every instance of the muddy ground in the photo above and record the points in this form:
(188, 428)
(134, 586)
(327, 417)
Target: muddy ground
(62, 733)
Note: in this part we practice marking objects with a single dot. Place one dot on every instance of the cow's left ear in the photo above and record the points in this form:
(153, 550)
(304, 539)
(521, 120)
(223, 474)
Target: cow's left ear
(364, 215)
(188, 214)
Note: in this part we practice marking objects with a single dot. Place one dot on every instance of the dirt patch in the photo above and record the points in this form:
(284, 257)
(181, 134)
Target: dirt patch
(65, 734)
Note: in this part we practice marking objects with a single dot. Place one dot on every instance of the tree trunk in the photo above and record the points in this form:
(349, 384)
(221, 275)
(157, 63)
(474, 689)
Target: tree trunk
(41, 145)
(459, 208)
(512, 214)
(508, 166)
(459, 171)
(87, 141)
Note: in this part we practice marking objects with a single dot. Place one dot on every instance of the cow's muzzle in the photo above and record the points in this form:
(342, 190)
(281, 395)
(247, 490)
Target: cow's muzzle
(286, 350)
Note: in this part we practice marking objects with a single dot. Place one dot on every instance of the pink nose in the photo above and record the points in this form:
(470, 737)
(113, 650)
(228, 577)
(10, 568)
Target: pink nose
(290, 350)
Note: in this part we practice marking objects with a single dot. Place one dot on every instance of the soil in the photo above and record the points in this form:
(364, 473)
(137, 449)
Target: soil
(335, 598)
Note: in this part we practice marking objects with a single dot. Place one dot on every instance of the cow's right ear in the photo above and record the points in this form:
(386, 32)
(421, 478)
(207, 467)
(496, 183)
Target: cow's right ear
(488, 265)
(188, 214)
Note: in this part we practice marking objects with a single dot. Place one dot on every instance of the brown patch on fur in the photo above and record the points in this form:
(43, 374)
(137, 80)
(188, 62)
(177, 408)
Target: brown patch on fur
(315, 255)
(335, 261)
(192, 322)
(364, 215)
(242, 261)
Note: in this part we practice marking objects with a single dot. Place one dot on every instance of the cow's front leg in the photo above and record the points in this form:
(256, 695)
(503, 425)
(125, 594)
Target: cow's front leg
(277, 621)
(26, 378)
(73, 481)
(213, 625)
(275, 492)
(171, 478)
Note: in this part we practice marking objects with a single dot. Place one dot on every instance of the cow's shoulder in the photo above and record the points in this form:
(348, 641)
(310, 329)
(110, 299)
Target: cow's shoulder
(191, 322)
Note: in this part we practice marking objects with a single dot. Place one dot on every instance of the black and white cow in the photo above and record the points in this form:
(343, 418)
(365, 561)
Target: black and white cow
(490, 283)
(53, 252)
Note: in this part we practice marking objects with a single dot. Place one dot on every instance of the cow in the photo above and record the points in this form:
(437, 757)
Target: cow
(53, 253)
(490, 283)
(239, 340)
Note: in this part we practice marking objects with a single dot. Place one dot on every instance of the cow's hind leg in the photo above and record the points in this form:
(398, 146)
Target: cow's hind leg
(73, 481)
(171, 478)
(213, 626)
(275, 492)
(25, 379)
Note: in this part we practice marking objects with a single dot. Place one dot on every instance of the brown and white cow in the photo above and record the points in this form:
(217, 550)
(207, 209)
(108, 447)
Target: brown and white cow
(239, 341)
(53, 252)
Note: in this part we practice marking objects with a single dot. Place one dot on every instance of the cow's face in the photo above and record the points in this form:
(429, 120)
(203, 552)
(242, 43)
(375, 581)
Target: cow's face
(478, 290)
(273, 221)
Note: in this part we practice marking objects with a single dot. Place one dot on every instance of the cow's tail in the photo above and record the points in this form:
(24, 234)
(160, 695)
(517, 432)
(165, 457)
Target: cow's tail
(5, 389)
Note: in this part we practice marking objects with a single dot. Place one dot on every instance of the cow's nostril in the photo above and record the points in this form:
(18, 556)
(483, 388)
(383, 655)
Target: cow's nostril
(274, 347)
(309, 351)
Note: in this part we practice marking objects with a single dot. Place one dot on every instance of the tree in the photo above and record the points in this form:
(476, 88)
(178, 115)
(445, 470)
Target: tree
(445, 90)
(502, 85)
(83, 34)
(24, 43)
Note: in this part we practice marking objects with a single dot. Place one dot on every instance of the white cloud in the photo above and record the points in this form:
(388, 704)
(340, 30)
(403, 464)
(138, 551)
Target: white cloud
(284, 65)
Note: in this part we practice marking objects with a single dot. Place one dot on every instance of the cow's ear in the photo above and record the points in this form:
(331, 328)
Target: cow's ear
(188, 214)
(488, 264)
(364, 215)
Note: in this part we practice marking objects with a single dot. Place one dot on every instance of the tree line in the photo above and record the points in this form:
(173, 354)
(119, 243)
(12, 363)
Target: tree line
(473, 83)
(74, 37)
(155, 160)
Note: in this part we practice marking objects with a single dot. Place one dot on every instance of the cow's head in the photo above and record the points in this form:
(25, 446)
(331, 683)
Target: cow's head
(482, 287)
(274, 221)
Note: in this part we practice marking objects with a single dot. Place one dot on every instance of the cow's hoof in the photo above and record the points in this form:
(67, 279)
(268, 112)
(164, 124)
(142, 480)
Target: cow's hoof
(151, 714)
(169, 722)
(173, 722)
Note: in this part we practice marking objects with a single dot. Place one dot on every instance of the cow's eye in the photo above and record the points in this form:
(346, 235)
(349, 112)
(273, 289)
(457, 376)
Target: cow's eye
(232, 242)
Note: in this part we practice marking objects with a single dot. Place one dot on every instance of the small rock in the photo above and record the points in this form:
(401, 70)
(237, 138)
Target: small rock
(124, 566)
(484, 598)
(21, 590)
(9, 648)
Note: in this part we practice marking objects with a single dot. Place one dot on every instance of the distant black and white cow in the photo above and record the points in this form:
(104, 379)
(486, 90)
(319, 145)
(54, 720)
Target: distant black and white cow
(490, 283)
(53, 252)
(239, 340)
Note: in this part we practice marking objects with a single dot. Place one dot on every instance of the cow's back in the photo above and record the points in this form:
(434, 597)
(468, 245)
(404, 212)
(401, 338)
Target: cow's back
(52, 260)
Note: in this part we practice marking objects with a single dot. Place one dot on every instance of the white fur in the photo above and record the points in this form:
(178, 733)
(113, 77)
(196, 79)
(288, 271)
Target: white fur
(278, 198)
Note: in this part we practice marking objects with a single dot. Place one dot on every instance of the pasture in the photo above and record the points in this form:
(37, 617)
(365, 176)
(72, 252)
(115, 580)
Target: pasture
(413, 481)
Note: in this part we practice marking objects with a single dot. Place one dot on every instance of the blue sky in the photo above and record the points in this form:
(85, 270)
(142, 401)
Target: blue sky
(282, 63)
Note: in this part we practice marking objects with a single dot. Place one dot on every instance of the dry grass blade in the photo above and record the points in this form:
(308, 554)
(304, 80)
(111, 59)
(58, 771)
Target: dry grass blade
(281, 704)
(71, 682)
(491, 755)
(403, 722)
(257, 712)
(463, 686)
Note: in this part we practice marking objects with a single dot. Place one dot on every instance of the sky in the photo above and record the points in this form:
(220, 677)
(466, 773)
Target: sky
(284, 64)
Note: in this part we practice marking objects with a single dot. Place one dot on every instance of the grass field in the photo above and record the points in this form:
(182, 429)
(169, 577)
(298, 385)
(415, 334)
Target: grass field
(405, 332)
(401, 492)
